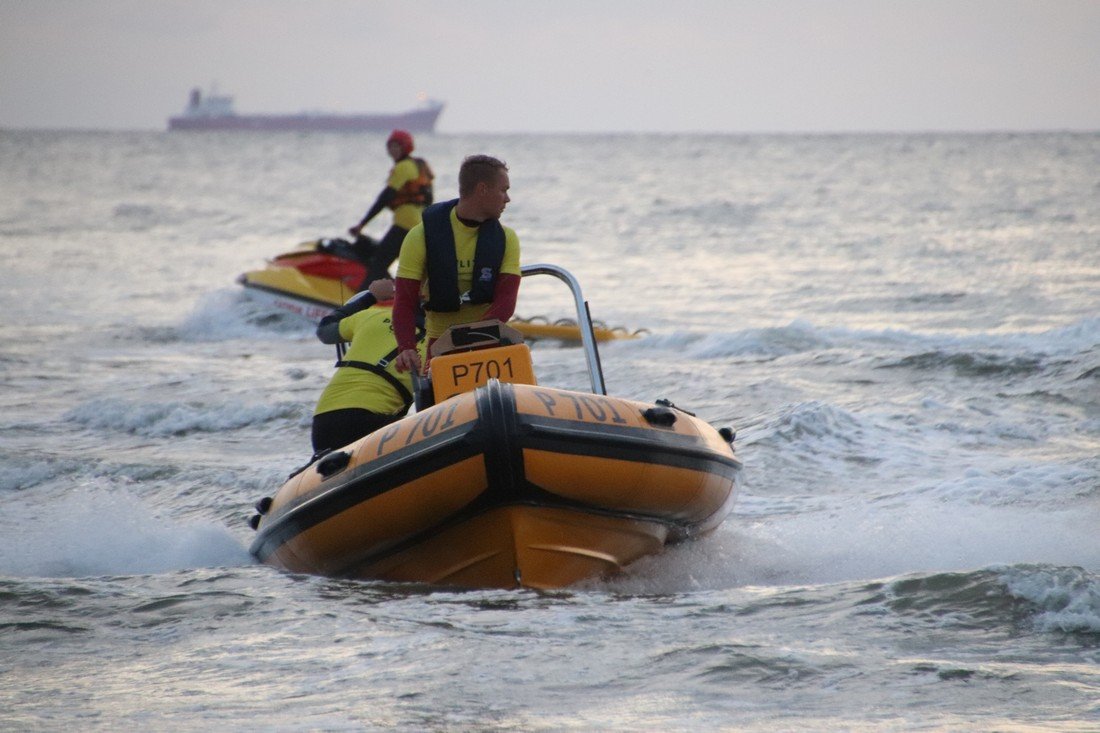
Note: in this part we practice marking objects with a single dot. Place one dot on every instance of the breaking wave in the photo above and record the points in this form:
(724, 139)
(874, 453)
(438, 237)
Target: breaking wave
(983, 355)
(178, 418)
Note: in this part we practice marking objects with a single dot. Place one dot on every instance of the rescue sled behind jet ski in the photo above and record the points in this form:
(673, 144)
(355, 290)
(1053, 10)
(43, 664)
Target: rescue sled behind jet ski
(319, 275)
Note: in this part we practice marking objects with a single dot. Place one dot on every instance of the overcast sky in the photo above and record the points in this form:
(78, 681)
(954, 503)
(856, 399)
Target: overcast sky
(563, 65)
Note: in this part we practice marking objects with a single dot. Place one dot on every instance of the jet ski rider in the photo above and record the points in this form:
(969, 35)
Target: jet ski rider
(408, 190)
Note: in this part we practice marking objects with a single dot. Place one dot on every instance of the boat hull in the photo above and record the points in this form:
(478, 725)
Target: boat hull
(530, 546)
(506, 486)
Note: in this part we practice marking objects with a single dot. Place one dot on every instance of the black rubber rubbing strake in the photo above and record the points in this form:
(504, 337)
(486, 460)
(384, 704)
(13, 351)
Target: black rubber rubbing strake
(496, 411)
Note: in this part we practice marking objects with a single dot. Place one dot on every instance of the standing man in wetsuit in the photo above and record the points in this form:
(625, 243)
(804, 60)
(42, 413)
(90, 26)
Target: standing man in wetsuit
(441, 255)
(407, 192)
(366, 392)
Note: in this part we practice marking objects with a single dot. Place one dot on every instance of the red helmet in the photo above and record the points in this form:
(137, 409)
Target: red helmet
(402, 138)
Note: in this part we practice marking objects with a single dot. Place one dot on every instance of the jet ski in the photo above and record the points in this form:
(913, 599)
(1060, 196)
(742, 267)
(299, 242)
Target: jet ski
(319, 275)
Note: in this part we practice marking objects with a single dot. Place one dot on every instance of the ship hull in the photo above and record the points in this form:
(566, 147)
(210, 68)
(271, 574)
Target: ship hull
(414, 121)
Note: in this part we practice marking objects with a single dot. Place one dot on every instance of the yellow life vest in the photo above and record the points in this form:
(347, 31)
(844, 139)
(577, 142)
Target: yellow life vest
(417, 191)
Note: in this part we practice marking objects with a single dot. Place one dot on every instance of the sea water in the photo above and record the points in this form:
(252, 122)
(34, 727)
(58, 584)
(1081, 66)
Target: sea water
(904, 331)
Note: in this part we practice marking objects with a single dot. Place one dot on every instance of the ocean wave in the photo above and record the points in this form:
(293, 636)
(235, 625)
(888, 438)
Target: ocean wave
(826, 449)
(137, 216)
(817, 426)
(1042, 597)
(23, 472)
(177, 418)
(1073, 339)
(739, 664)
(967, 364)
(973, 599)
(934, 298)
(725, 214)
(1063, 599)
(816, 420)
(761, 343)
(984, 354)
(994, 599)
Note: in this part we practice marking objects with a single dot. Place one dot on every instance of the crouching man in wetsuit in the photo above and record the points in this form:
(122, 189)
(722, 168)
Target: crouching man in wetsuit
(460, 258)
(366, 392)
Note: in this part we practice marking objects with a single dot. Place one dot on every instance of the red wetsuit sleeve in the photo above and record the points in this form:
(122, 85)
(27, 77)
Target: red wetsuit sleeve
(406, 299)
(504, 298)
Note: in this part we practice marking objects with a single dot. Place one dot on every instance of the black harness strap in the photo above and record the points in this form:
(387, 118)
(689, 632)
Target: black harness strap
(379, 368)
(402, 390)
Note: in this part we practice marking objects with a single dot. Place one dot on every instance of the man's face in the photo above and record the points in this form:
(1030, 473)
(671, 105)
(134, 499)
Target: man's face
(493, 197)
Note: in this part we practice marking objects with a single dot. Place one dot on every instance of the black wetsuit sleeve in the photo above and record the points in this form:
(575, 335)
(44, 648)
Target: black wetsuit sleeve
(329, 332)
(388, 194)
(328, 329)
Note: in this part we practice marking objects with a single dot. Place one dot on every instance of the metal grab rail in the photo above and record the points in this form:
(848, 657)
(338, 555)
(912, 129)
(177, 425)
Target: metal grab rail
(584, 320)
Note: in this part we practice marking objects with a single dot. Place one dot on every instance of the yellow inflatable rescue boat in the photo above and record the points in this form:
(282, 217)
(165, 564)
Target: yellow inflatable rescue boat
(503, 482)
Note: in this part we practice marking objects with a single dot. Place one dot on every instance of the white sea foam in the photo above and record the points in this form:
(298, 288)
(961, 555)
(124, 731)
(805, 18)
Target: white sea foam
(843, 541)
(96, 530)
(856, 541)
(225, 315)
(1040, 485)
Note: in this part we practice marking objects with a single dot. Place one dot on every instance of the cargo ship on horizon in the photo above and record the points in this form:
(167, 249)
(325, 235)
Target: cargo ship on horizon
(215, 112)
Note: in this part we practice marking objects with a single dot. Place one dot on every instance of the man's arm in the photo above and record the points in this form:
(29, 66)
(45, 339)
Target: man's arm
(388, 194)
(504, 298)
(328, 329)
(406, 300)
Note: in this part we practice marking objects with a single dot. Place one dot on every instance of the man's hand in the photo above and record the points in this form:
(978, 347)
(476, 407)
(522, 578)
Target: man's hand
(408, 360)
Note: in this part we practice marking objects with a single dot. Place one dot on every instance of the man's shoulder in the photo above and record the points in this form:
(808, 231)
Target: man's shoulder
(410, 261)
(373, 313)
(416, 235)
